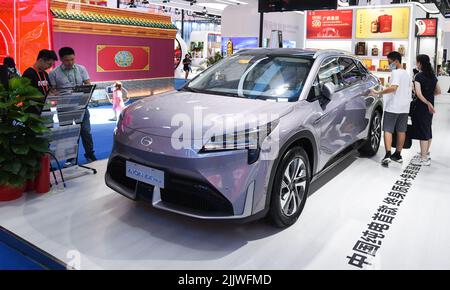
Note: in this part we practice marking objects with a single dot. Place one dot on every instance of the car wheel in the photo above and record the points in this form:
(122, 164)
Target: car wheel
(370, 147)
(290, 188)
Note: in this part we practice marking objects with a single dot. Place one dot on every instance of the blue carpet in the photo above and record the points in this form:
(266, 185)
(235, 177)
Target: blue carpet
(178, 83)
(18, 254)
(11, 259)
(102, 134)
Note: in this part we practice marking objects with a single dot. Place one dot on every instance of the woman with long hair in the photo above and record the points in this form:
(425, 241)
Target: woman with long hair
(426, 87)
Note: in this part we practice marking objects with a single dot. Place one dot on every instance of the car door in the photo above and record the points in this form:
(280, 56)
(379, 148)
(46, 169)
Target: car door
(331, 112)
(354, 99)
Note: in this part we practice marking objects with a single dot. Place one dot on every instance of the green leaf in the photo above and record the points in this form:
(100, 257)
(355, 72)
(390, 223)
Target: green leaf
(20, 149)
(17, 181)
(39, 146)
(38, 128)
(19, 116)
(2, 158)
(31, 162)
(4, 177)
(13, 166)
(8, 128)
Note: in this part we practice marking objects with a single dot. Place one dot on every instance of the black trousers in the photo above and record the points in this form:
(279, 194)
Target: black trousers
(86, 136)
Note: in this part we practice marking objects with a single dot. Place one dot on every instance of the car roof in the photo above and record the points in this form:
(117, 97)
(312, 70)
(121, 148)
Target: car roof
(312, 53)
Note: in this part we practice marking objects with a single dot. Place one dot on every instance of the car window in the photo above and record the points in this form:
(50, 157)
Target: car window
(350, 71)
(329, 71)
(362, 68)
(267, 77)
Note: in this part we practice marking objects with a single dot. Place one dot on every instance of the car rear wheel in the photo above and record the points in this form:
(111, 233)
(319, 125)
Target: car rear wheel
(370, 147)
(290, 188)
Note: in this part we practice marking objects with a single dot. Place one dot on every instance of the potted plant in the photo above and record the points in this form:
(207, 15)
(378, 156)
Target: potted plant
(22, 143)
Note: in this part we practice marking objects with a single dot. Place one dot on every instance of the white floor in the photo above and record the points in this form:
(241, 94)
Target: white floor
(91, 227)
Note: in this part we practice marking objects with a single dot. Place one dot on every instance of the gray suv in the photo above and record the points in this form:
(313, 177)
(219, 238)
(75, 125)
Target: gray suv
(245, 138)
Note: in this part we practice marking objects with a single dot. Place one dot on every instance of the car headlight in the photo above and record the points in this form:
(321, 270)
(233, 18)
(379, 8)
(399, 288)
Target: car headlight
(250, 139)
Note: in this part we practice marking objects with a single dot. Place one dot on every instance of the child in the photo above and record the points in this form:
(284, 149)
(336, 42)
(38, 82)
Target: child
(117, 100)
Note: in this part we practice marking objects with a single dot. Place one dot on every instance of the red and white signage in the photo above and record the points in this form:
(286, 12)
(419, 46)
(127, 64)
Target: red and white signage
(426, 27)
(329, 24)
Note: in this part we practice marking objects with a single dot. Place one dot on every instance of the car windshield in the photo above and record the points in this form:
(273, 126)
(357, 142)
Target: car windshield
(267, 77)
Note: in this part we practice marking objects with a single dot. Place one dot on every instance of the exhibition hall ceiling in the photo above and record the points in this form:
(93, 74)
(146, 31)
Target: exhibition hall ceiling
(214, 7)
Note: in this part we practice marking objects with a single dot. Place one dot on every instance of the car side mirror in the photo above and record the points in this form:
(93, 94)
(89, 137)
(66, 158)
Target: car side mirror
(328, 89)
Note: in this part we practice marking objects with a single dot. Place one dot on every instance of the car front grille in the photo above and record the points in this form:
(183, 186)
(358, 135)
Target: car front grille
(179, 190)
(196, 195)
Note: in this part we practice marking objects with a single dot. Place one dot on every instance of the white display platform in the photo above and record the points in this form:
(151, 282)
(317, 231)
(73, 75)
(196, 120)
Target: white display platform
(89, 226)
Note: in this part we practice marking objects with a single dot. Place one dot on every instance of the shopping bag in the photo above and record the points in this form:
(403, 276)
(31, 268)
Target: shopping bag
(408, 139)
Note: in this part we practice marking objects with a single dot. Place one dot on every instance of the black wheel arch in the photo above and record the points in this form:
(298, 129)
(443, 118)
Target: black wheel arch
(304, 139)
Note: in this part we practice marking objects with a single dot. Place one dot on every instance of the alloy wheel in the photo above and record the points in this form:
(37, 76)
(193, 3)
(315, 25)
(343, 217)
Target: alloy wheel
(375, 133)
(293, 187)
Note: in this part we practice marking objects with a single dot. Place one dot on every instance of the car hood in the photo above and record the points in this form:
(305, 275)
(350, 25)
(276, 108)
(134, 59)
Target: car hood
(203, 115)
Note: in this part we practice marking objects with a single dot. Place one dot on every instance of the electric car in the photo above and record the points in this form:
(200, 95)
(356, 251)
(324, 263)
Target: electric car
(244, 139)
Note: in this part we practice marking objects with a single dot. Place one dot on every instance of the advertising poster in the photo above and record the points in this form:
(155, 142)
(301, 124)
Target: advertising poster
(112, 58)
(329, 24)
(426, 27)
(25, 29)
(233, 44)
(382, 23)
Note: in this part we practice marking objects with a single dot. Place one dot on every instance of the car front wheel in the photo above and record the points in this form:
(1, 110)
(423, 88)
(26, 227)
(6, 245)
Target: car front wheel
(370, 147)
(290, 188)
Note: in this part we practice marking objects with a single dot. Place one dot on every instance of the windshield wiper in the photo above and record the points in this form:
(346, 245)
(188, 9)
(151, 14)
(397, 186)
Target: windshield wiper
(189, 89)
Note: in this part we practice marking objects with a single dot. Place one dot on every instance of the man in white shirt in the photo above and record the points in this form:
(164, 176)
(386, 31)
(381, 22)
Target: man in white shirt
(397, 103)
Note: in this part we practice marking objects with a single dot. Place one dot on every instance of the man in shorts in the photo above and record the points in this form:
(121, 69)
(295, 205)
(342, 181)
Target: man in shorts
(397, 102)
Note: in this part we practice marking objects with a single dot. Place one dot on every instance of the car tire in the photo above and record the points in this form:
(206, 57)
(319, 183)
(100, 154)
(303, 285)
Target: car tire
(288, 200)
(371, 145)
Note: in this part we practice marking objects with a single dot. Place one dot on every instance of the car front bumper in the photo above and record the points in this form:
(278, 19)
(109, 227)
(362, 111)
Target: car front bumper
(219, 185)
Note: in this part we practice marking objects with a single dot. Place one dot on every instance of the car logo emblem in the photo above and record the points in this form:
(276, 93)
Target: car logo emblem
(146, 141)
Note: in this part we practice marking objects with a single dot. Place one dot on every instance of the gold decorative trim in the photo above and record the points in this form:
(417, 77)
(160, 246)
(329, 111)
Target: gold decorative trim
(62, 25)
(63, 5)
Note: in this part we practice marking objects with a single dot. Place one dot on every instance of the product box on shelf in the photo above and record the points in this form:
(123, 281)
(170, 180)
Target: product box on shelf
(368, 63)
(402, 50)
(374, 50)
(383, 65)
(387, 48)
(385, 23)
(361, 48)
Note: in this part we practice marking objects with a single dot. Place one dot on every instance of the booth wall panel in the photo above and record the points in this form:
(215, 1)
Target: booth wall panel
(85, 45)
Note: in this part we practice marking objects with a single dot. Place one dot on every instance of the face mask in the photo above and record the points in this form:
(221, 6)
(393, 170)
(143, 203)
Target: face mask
(392, 66)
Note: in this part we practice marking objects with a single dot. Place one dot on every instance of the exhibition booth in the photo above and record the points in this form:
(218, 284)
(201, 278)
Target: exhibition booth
(152, 205)
(374, 31)
(113, 44)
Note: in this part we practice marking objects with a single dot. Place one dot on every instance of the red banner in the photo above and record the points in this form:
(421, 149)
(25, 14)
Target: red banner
(111, 58)
(426, 27)
(329, 24)
(24, 30)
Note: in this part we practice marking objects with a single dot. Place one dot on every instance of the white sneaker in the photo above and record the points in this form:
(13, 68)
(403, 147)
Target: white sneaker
(421, 162)
(419, 155)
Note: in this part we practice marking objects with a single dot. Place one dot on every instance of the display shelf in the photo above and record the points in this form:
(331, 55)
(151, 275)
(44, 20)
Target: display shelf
(381, 39)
